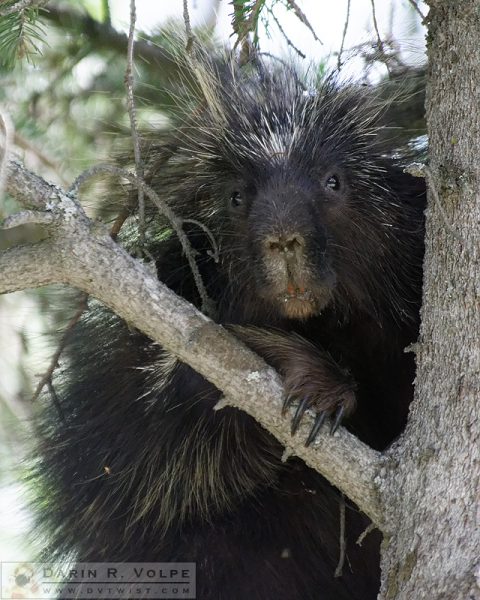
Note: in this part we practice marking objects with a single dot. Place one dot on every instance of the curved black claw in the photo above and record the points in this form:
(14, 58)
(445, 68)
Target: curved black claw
(337, 419)
(286, 404)
(319, 419)
(301, 408)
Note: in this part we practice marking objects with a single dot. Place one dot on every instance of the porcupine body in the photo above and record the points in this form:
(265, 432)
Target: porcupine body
(320, 238)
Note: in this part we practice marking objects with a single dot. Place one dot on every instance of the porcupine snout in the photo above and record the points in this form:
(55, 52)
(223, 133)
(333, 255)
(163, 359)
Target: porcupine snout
(292, 246)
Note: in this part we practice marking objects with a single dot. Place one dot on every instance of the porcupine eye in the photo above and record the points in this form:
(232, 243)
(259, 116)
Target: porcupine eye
(333, 183)
(236, 199)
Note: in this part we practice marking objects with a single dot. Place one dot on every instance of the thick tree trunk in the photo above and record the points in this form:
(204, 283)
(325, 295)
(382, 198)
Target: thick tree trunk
(435, 546)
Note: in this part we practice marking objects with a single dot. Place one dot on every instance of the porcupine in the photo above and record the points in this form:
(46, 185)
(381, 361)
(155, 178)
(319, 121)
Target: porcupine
(320, 238)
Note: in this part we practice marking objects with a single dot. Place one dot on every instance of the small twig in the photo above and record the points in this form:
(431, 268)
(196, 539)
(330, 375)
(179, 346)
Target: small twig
(302, 17)
(188, 27)
(375, 25)
(27, 217)
(364, 533)
(215, 253)
(285, 36)
(22, 5)
(341, 558)
(344, 35)
(176, 222)
(415, 6)
(47, 377)
(132, 113)
(381, 47)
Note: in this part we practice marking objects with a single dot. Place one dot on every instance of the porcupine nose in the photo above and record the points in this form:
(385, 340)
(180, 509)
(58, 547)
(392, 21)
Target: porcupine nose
(285, 262)
(290, 245)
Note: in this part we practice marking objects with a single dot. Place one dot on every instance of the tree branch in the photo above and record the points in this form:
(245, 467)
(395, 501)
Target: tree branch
(29, 189)
(23, 267)
(82, 254)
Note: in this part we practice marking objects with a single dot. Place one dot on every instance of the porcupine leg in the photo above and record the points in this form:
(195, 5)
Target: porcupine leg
(310, 376)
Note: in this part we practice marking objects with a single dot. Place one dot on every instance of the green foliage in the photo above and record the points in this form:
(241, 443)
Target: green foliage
(21, 34)
(245, 18)
(248, 14)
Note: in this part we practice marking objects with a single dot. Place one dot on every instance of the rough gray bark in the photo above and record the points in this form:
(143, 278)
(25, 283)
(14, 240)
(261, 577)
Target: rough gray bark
(435, 466)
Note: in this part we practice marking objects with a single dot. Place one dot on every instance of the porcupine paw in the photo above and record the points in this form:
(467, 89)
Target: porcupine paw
(310, 376)
(327, 393)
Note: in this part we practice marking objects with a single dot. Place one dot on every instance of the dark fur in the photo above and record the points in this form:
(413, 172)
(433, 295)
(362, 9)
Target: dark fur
(326, 284)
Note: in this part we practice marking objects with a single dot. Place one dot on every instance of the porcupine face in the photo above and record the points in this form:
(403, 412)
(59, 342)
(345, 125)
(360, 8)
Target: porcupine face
(294, 174)
(286, 236)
